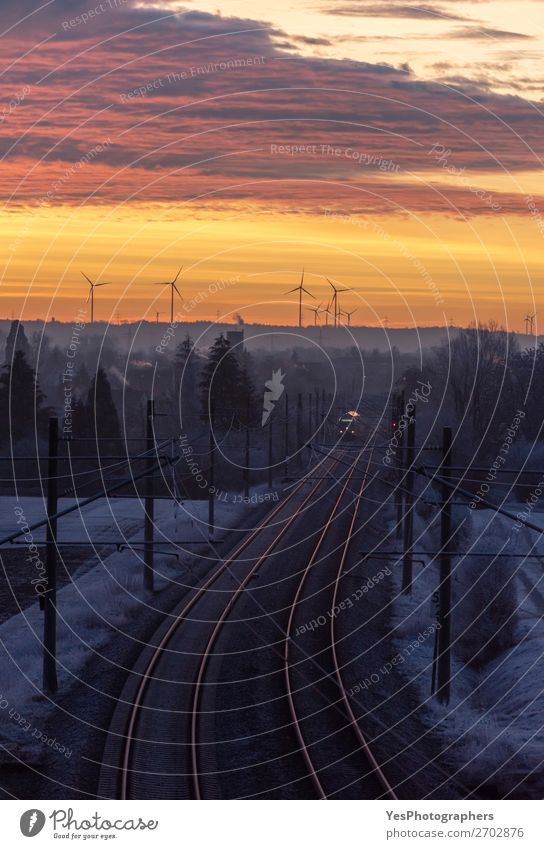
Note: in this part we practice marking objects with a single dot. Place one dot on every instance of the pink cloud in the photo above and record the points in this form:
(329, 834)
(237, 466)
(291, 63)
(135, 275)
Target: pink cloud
(188, 106)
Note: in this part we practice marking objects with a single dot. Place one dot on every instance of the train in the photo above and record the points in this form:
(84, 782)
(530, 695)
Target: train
(350, 425)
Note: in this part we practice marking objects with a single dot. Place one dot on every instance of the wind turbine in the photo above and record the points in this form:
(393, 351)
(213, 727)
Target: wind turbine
(327, 314)
(91, 293)
(316, 311)
(348, 314)
(335, 300)
(172, 284)
(529, 320)
(300, 289)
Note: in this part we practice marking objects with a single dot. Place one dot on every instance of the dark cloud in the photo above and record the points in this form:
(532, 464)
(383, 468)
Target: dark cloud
(394, 10)
(483, 33)
(305, 39)
(192, 105)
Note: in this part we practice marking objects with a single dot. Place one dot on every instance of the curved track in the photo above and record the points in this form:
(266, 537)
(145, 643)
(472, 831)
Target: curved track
(337, 760)
(128, 713)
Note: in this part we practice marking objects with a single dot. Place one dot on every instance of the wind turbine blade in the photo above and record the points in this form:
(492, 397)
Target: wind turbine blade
(177, 290)
(330, 284)
(296, 289)
(87, 278)
(177, 275)
(88, 298)
(302, 289)
(103, 284)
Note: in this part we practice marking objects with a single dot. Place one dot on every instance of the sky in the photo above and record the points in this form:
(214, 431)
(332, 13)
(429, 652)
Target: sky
(392, 148)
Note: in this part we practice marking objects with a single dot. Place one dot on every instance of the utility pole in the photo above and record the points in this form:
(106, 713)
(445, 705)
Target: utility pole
(149, 504)
(299, 425)
(211, 473)
(50, 598)
(407, 565)
(246, 468)
(323, 408)
(399, 410)
(310, 426)
(444, 593)
(270, 458)
(286, 430)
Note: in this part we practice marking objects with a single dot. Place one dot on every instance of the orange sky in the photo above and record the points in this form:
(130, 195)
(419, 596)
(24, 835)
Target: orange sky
(424, 271)
(126, 163)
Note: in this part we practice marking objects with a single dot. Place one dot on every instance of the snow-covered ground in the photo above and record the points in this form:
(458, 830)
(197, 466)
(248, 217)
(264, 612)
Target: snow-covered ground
(103, 601)
(113, 519)
(492, 728)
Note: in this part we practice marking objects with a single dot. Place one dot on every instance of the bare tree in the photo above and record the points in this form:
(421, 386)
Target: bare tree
(474, 369)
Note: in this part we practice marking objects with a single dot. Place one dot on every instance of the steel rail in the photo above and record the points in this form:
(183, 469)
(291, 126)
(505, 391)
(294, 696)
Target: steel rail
(291, 692)
(363, 742)
(215, 633)
(137, 703)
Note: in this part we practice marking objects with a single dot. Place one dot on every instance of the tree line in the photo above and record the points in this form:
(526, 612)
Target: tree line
(225, 377)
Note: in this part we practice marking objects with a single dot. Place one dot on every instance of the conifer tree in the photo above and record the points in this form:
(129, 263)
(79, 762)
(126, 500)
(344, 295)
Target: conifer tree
(221, 383)
(21, 400)
(101, 412)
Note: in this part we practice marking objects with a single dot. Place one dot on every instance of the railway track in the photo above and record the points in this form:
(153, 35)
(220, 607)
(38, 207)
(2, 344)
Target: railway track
(163, 740)
(338, 758)
(122, 760)
(208, 651)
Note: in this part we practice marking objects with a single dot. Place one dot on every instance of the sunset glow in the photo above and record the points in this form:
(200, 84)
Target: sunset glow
(150, 135)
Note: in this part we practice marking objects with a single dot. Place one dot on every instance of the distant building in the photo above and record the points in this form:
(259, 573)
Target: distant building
(235, 338)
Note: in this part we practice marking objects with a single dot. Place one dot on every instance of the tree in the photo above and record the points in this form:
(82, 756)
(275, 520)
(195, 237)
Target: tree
(249, 412)
(82, 379)
(186, 371)
(80, 419)
(474, 369)
(487, 610)
(16, 341)
(528, 369)
(21, 400)
(184, 352)
(221, 383)
(101, 412)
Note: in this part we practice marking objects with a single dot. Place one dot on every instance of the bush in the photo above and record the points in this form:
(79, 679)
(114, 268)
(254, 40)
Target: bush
(486, 612)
